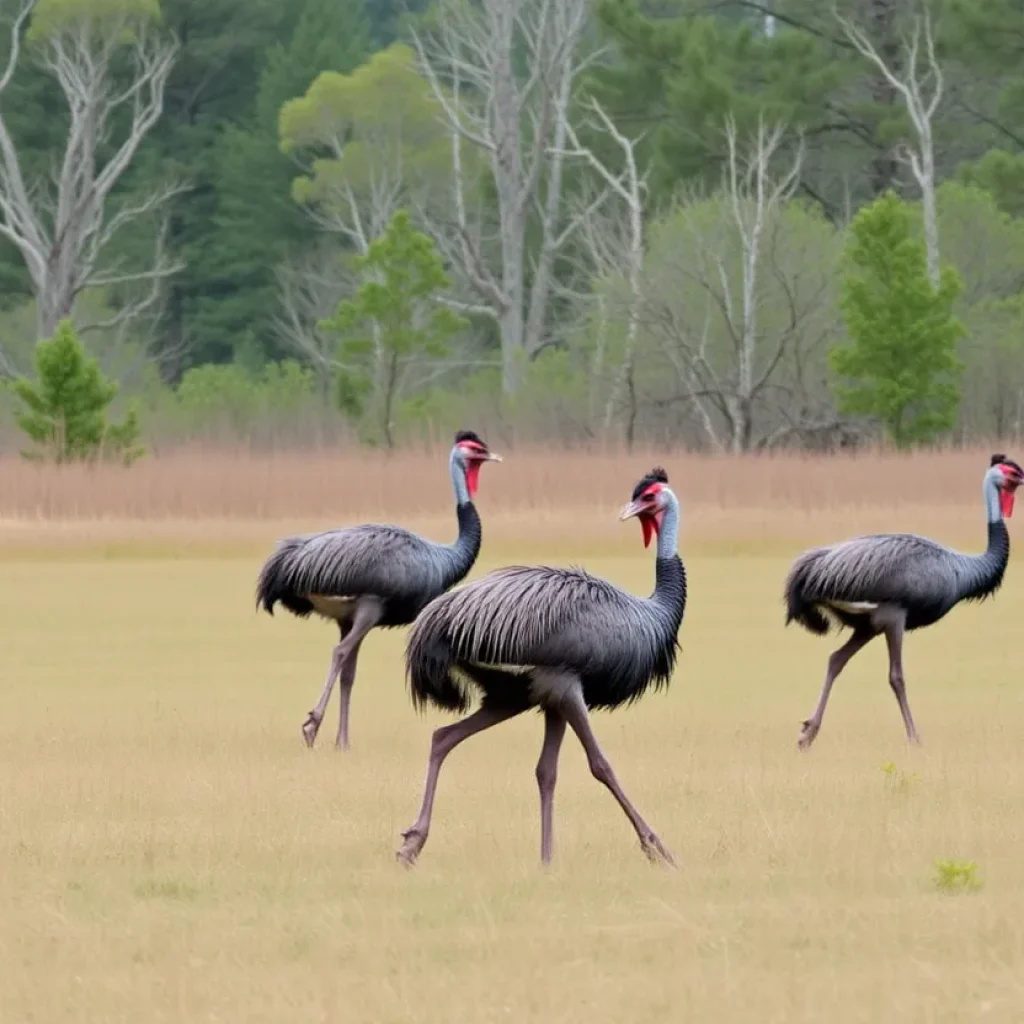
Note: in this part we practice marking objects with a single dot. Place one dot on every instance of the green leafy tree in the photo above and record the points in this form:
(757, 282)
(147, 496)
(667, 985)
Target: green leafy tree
(901, 366)
(1002, 175)
(395, 319)
(373, 140)
(66, 409)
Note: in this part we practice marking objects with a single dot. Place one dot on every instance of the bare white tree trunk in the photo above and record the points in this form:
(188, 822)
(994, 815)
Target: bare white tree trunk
(517, 120)
(626, 257)
(63, 229)
(724, 356)
(922, 92)
(309, 292)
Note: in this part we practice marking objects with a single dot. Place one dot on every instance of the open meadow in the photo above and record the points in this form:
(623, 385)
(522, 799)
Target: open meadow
(171, 852)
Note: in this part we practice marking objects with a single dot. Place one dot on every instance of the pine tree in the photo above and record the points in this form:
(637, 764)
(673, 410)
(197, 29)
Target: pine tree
(65, 410)
(900, 367)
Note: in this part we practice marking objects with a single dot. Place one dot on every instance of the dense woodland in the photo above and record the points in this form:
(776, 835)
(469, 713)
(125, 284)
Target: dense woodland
(724, 223)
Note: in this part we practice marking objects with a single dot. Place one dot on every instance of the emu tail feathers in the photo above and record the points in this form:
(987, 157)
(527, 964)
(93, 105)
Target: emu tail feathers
(430, 664)
(800, 606)
(275, 582)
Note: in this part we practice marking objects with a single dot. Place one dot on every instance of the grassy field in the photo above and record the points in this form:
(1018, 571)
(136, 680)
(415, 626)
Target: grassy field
(169, 850)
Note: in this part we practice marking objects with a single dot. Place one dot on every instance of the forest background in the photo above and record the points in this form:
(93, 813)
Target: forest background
(726, 225)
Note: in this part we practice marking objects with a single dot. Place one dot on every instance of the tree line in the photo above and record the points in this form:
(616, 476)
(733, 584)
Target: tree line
(731, 224)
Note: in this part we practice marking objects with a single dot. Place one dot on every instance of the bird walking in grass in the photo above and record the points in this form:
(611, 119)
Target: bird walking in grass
(893, 582)
(559, 640)
(373, 575)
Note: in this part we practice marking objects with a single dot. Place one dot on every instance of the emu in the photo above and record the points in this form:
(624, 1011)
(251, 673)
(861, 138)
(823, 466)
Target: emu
(893, 582)
(559, 640)
(373, 575)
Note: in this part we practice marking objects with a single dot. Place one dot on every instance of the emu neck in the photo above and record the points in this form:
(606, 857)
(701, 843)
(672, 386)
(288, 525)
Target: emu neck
(459, 485)
(981, 575)
(669, 571)
(467, 545)
(668, 536)
(990, 492)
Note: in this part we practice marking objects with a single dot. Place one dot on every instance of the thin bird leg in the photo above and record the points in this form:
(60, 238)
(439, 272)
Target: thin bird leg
(894, 638)
(547, 775)
(574, 710)
(367, 616)
(311, 726)
(443, 742)
(836, 663)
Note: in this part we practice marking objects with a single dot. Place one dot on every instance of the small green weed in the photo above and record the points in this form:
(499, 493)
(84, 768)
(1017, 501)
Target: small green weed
(897, 779)
(957, 876)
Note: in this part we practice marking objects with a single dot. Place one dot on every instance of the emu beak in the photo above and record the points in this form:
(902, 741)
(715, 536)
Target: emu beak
(634, 508)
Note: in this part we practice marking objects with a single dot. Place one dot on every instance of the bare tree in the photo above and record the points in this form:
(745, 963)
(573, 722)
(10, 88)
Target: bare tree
(63, 228)
(518, 121)
(614, 243)
(737, 295)
(921, 90)
(309, 291)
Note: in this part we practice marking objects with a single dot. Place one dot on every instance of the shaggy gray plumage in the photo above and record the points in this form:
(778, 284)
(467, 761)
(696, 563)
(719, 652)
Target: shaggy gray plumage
(374, 575)
(388, 561)
(890, 583)
(558, 639)
(921, 576)
(618, 644)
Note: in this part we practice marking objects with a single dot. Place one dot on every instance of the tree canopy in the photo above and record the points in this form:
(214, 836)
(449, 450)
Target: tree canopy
(637, 208)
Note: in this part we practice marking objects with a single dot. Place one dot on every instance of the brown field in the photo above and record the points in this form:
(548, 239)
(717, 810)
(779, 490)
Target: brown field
(170, 852)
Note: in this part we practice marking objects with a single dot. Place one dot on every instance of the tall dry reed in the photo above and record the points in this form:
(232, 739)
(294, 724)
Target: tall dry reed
(563, 492)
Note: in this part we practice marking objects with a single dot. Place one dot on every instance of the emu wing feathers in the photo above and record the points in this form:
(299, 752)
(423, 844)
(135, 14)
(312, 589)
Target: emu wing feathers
(535, 617)
(528, 616)
(373, 559)
(901, 568)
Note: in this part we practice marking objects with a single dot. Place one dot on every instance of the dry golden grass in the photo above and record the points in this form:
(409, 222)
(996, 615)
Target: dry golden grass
(170, 852)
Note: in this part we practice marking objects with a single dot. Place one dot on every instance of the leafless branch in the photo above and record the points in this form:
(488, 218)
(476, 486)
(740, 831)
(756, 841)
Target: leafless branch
(502, 75)
(922, 93)
(62, 228)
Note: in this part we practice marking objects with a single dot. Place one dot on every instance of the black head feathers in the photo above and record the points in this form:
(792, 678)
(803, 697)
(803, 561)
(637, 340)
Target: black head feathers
(1002, 460)
(468, 435)
(656, 476)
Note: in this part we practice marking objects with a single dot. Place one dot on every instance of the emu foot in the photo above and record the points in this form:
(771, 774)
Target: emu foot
(807, 734)
(310, 727)
(410, 848)
(656, 851)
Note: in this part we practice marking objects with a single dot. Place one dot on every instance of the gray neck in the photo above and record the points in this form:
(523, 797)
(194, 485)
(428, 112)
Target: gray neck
(990, 492)
(668, 537)
(458, 471)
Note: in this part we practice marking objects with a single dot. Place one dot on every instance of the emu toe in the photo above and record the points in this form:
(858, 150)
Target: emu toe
(310, 727)
(410, 848)
(807, 734)
(656, 851)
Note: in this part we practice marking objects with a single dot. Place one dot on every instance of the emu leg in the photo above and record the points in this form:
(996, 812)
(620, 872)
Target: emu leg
(311, 726)
(894, 638)
(547, 775)
(836, 663)
(368, 614)
(346, 680)
(442, 743)
(575, 712)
